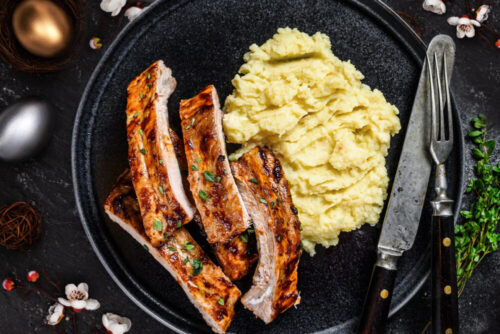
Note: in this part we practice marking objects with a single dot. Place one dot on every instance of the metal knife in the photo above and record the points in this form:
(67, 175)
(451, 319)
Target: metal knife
(404, 208)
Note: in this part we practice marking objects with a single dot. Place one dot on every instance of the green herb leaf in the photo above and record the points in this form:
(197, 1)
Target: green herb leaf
(140, 132)
(149, 76)
(254, 180)
(145, 247)
(142, 96)
(262, 200)
(251, 231)
(160, 188)
(179, 224)
(135, 115)
(272, 204)
(209, 176)
(474, 133)
(244, 237)
(142, 150)
(188, 246)
(197, 266)
(225, 171)
(278, 238)
(186, 260)
(221, 301)
(160, 162)
(165, 236)
(217, 178)
(197, 159)
(300, 227)
(173, 249)
(157, 225)
(204, 195)
(193, 167)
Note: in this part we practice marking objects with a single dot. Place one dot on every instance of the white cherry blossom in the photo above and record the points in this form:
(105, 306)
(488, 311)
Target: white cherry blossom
(465, 26)
(113, 6)
(56, 314)
(434, 6)
(115, 324)
(482, 13)
(133, 12)
(78, 298)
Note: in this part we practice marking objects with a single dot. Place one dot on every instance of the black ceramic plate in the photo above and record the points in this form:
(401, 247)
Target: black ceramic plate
(204, 42)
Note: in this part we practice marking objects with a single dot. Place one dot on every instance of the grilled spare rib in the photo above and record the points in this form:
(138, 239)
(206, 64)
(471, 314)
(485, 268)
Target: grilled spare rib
(154, 167)
(206, 286)
(266, 194)
(237, 256)
(219, 203)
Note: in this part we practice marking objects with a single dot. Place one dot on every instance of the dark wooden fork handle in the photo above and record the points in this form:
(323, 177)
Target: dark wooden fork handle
(444, 277)
(378, 300)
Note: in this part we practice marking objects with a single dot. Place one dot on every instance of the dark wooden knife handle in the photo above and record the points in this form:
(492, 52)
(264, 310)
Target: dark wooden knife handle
(444, 277)
(378, 301)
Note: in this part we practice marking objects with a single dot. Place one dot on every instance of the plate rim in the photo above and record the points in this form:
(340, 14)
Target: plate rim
(378, 10)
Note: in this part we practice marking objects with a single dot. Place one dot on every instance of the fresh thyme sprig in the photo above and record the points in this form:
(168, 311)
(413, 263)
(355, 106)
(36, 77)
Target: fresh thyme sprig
(477, 236)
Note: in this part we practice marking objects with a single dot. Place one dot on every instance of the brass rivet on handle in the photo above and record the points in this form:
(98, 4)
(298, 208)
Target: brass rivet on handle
(447, 290)
(446, 243)
(448, 331)
(384, 294)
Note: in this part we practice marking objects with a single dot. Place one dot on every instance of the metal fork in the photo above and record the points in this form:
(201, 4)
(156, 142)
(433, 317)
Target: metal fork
(444, 277)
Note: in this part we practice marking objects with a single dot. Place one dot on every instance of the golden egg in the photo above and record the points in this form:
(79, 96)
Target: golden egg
(42, 27)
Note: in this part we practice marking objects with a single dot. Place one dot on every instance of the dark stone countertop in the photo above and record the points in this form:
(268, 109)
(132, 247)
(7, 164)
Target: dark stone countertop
(64, 253)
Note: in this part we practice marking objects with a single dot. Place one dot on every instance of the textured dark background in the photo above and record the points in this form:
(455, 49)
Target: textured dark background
(65, 254)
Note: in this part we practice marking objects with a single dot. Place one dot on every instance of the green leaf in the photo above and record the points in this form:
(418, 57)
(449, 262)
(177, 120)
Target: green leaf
(262, 200)
(477, 153)
(193, 167)
(490, 145)
(474, 133)
(254, 180)
(197, 266)
(173, 249)
(142, 150)
(221, 301)
(188, 246)
(244, 237)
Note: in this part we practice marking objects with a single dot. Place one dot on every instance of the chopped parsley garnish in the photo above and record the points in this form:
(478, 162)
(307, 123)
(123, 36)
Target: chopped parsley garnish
(188, 246)
(186, 260)
(157, 225)
(277, 201)
(217, 178)
(193, 167)
(272, 204)
(251, 230)
(150, 85)
(142, 150)
(145, 247)
(221, 301)
(160, 188)
(190, 124)
(204, 195)
(142, 96)
(198, 160)
(209, 176)
(278, 238)
(149, 75)
(254, 180)
(160, 161)
(140, 132)
(300, 227)
(244, 237)
(179, 224)
(165, 236)
(262, 200)
(173, 249)
(135, 115)
(225, 171)
(197, 266)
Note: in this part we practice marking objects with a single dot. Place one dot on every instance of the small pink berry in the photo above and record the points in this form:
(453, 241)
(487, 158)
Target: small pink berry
(8, 284)
(33, 276)
(497, 43)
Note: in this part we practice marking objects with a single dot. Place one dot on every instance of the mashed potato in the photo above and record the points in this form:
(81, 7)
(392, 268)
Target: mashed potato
(330, 131)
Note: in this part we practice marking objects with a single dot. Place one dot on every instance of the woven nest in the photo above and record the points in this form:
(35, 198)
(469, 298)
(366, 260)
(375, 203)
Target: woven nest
(20, 226)
(12, 51)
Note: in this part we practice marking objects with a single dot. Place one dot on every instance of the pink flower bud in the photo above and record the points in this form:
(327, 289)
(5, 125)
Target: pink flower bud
(33, 276)
(8, 284)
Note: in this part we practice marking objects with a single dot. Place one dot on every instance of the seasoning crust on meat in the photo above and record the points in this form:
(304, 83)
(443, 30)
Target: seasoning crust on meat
(219, 203)
(164, 205)
(210, 291)
(265, 191)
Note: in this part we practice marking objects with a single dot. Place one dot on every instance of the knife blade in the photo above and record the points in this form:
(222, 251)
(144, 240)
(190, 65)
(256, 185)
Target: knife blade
(405, 204)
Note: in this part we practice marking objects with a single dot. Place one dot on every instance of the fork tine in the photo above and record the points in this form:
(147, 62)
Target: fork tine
(448, 99)
(437, 77)
(433, 101)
